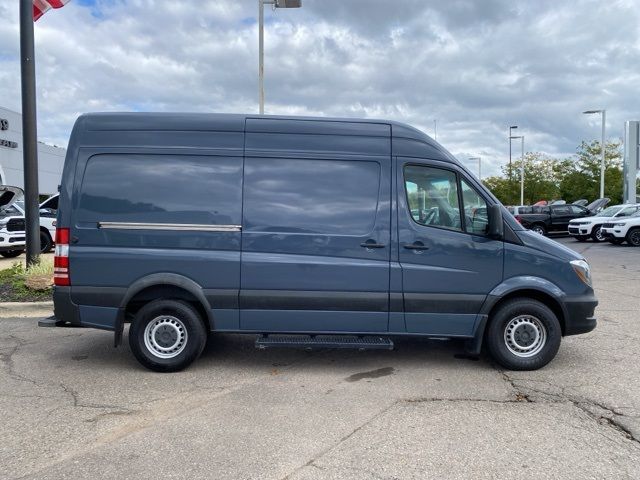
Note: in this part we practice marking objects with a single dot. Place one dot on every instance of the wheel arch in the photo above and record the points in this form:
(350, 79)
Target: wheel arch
(162, 285)
(529, 287)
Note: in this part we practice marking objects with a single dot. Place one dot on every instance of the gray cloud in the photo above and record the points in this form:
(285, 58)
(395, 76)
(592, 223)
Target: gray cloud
(476, 67)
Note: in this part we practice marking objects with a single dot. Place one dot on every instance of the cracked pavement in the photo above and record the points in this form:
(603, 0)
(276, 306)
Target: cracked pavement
(74, 407)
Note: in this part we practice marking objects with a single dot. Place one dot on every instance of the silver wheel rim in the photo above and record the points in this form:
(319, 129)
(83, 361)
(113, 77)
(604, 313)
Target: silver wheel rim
(525, 336)
(538, 230)
(165, 336)
(599, 235)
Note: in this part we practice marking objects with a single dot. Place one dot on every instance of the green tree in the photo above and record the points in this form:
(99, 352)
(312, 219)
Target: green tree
(542, 176)
(583, 179)
(570, 179)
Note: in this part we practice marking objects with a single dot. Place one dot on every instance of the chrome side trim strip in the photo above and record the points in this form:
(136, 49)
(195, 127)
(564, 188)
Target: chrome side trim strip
(193, 227)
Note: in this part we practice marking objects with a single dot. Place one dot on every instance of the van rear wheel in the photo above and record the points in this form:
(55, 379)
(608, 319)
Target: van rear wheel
(167, 335)
(524, 334)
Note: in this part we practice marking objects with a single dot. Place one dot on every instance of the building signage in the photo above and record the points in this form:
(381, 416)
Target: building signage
(4, 125)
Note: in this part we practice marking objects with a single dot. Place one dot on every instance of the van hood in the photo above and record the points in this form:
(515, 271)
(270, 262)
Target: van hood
(546, 245)
(9, 195)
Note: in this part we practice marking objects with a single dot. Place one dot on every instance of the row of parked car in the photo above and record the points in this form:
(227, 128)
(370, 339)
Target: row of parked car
(12, 222)
(616, 224)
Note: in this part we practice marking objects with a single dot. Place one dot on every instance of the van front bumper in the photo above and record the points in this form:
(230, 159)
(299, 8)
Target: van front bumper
(579, 314)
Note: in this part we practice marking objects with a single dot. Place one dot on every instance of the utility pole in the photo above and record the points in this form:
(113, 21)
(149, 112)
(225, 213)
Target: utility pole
(521, 137)
(603, 113)
(261, 4)
(29, 132)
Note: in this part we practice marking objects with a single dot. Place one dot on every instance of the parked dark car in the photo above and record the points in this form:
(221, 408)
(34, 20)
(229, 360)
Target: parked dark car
(556, 218)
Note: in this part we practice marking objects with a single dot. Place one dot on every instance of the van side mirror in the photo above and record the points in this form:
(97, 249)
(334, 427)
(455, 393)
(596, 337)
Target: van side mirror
(496, 223)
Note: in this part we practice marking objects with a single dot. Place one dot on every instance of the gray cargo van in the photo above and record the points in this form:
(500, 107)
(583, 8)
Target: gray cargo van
(305, 232)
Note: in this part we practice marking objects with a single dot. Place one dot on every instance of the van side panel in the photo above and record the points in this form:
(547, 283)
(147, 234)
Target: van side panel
(130, 207)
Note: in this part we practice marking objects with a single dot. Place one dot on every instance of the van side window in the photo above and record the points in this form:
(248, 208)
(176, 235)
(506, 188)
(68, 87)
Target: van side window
(432, 195)
(327, 197)
(475, 210)
(161, 189)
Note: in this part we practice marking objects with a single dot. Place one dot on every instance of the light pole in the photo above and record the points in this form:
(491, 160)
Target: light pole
(261, 4)
(602, 146)
(513, 127)
(521, 137)
(479, 166)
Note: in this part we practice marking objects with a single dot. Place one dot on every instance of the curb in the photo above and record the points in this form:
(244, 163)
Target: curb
(25, 309)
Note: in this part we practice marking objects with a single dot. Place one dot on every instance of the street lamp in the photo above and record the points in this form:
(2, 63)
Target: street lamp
(261, 4)
(513, 127)
(479, 166)
(521, 137)
(602, 146)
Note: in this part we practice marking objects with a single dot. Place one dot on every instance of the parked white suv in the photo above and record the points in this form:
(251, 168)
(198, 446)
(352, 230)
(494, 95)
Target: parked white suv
(583, 228)
(12, 238)
(619, 230)
(12, 222)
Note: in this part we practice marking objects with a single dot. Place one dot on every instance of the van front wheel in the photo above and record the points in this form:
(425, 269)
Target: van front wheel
(524, 334)
(167, 335)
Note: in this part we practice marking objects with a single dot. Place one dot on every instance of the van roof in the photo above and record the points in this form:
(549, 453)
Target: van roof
(224, 122)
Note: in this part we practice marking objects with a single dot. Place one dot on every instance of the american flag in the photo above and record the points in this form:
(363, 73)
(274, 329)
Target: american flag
(41, 6)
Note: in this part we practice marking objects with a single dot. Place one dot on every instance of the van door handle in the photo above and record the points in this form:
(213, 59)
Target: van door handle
(416, 246)
(372, 244)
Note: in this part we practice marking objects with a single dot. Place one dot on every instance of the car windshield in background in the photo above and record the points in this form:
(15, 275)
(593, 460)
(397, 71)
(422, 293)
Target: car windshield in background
(609, 212)
(9, 211)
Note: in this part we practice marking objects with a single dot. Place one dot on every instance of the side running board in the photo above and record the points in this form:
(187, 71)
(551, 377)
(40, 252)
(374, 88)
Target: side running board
(309, 342)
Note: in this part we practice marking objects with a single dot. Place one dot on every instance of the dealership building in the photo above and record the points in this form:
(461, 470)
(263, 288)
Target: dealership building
(50, 158)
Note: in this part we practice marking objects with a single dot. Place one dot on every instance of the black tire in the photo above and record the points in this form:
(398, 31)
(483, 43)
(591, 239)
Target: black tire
(633, 237)
(45, 242)
(581, 238)
(176, 320)
(615, 240)
(596, 234)
(539, 228)
(528, 315)
(11, 253)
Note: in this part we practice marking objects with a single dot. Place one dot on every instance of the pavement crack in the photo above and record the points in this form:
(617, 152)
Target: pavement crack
(8, 362)
(322, 453)
(599, 412)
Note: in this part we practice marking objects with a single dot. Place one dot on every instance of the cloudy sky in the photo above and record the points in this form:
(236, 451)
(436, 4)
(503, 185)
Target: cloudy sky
(475, 66)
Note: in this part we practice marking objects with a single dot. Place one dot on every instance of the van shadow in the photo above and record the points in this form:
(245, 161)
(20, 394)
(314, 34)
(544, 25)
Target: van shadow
(240, 351)
(235, 351)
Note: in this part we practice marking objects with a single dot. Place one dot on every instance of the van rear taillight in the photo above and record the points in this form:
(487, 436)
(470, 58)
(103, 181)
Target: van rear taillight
(61, 258)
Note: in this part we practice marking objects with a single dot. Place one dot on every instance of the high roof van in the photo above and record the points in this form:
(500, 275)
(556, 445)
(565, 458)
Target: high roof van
(305, 232)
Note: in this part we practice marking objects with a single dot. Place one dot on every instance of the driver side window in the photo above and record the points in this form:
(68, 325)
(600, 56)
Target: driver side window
(475, 210)
(432, 195)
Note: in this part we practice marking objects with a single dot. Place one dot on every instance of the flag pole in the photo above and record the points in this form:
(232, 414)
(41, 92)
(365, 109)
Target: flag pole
(29, 132)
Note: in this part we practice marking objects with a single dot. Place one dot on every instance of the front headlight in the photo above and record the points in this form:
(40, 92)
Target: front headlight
(621, 224)
(582, 269)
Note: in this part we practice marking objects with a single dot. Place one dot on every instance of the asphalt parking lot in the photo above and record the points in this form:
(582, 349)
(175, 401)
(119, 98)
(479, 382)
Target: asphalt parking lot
(74, 407)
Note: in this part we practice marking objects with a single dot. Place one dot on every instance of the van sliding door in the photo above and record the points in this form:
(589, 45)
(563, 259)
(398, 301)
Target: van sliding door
(316, 227)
